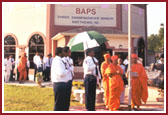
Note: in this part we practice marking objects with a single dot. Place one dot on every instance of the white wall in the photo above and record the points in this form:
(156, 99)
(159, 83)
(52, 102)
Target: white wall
(116, 41)
(24, 19)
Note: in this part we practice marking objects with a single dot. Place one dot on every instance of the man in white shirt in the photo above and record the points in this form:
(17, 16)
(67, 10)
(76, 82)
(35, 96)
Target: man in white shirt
(36, 59)
(91, 77)
(48, 62)
(40, 65)
(59, 77)
(69, 64)
(125, 62)
(11, 59)
(7, 68)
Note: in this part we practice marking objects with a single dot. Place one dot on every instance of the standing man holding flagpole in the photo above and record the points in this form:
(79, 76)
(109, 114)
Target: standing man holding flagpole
(91, 78)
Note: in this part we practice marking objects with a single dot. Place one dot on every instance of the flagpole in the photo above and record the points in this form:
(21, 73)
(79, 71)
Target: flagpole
(129, 55)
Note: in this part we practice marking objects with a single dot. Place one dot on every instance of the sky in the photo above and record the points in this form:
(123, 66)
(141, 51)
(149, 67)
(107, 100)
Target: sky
(156, 14)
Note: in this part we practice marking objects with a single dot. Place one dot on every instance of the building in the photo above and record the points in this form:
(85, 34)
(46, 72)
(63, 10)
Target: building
(43, 27)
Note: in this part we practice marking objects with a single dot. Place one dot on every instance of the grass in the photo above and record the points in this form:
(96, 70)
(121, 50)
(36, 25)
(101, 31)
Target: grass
(28, 98)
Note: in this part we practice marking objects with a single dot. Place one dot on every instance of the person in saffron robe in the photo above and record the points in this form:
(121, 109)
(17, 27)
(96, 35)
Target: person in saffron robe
(138, 83)
(115, 83)
(104, 66)
(22, 67)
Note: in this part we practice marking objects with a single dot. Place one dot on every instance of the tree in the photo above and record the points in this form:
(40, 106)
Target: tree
(156, 42)
(161, 35)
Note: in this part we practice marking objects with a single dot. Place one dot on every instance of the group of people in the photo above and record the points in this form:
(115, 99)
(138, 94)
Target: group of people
(159, 65)
(114, 76)
(42, 64)
(22, 65)
(10, 65)
(62, 75)
(113, 73)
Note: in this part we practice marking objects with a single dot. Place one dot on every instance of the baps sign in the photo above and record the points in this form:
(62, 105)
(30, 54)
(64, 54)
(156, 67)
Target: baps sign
(85, 15)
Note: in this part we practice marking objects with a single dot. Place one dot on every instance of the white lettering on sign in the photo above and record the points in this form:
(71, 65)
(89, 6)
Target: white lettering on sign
(85, 16)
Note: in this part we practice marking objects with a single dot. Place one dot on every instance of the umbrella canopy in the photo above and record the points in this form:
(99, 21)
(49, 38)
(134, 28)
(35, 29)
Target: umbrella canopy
(85, 40)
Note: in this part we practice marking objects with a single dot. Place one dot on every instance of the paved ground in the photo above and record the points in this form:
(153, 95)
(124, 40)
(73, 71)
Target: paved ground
(151, 105)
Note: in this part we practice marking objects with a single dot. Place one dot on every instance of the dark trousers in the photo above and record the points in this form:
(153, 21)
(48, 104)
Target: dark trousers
(60, 96)
(11, 76)
(27, 78)
(69, 92)
(35, 71)
(18, 74)
(90, 92)
(47, 74)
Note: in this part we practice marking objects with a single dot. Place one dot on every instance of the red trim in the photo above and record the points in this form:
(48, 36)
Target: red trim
(14, 36)
(119, 17)
(49, 26)
(55, 45)
(67, 38)
(85, 1)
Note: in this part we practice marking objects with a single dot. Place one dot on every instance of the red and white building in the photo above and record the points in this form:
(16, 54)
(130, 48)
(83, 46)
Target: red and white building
(33, 27)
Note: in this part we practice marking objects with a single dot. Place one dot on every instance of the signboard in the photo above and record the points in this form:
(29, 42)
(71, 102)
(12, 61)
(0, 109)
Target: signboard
(85, 15)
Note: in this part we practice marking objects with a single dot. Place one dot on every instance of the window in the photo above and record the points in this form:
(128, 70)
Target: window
(9, 46)
(36, 44)
(78, 58)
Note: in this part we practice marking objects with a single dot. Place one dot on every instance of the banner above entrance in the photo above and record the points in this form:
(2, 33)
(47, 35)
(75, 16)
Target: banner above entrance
(86, 15)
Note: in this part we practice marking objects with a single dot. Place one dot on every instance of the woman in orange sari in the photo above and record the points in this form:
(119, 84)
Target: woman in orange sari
(104, 66)
(115, 83)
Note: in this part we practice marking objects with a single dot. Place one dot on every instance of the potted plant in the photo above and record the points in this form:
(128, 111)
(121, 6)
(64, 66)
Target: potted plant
(78, 85)
(39, 78)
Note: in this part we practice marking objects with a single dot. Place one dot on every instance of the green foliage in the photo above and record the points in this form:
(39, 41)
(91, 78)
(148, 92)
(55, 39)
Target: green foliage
(39, 74)
(156, 42)
(27, 98)
(161, 35)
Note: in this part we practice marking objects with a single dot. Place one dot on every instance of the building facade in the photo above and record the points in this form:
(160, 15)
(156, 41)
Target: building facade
(43, 27)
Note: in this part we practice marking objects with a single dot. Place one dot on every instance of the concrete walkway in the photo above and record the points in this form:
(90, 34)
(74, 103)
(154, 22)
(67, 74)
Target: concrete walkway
(30, 83)
(151, 105)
